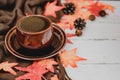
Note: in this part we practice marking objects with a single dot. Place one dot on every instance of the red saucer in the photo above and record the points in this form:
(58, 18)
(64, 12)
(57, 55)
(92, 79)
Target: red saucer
(56, 45)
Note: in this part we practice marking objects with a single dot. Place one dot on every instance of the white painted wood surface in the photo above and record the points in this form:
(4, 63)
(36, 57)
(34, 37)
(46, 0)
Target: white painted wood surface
(100, 44)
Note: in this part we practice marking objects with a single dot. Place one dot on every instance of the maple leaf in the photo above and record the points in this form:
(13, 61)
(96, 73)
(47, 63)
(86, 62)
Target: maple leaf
(48, 63)
(35, 72)
(70, 58)
(107, 6)
(51, 8)
(54, 77)
(95, 8)
(8, 67)
(81, 3)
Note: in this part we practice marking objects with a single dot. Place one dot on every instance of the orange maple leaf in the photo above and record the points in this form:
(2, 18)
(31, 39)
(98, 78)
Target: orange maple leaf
(96, 7)
(51, 8)
(8, 67)
(111, 8)
(48, 63)
(35, 72)
(70, 58)
(82, 3)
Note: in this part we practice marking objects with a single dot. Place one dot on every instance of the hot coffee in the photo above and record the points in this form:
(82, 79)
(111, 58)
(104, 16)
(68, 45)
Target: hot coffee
(34, 24)
(34, 31)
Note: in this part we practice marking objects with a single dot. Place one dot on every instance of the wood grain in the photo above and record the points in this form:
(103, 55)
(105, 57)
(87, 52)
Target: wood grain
(100, 44)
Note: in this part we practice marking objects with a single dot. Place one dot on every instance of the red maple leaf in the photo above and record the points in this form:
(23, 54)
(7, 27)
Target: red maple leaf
(70, 58)
(95, 8)
(48, 63)
(51, 8)
(35, 72)
(8, 67)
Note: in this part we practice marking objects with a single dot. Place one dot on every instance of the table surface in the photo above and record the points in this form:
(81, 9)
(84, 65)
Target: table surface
(100, 44)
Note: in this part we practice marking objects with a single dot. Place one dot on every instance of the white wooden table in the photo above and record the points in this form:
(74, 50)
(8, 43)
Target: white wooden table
(100, 44)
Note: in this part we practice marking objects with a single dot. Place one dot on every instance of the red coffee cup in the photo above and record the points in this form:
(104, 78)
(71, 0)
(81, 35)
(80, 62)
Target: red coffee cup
(34, 31)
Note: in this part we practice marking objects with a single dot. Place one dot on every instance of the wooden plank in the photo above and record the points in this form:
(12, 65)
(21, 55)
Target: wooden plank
(100, 44)
(95, 72)
(98, 51)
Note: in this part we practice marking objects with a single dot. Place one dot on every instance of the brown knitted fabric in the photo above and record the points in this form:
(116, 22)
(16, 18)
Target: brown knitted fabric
(10, 12)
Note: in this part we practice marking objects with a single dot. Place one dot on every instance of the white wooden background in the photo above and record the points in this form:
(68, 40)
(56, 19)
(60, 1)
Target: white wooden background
(100, 44)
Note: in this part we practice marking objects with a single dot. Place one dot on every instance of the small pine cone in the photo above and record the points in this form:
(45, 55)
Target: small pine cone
(79, 23)
(102, 13)
(69, 9)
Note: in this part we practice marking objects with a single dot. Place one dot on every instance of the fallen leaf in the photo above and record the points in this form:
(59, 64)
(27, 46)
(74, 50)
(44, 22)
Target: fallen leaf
(51, 8)
(95, 8)
(81, 3)
(70, 58)
(48, 63)
(54, 77)
(35, 72)
(8, 67)
(110, 7)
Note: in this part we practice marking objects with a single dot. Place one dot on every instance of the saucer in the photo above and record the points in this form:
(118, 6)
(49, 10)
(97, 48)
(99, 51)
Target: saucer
(57, 43)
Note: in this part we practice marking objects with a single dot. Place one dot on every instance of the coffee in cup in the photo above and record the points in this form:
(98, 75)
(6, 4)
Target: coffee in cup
(34, 31)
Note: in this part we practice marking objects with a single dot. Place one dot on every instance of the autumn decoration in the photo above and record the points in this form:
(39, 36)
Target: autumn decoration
(75, 17)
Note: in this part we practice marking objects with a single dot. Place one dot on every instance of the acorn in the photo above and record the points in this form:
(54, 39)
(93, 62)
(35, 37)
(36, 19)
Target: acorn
(92, 17)
(102, 13)
(78, 32)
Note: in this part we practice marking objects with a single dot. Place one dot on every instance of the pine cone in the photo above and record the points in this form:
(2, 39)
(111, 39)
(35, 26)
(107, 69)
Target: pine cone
(69, 9)
(79, 23)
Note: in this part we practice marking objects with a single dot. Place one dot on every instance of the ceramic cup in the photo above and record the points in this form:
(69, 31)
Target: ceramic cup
(34, 31)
